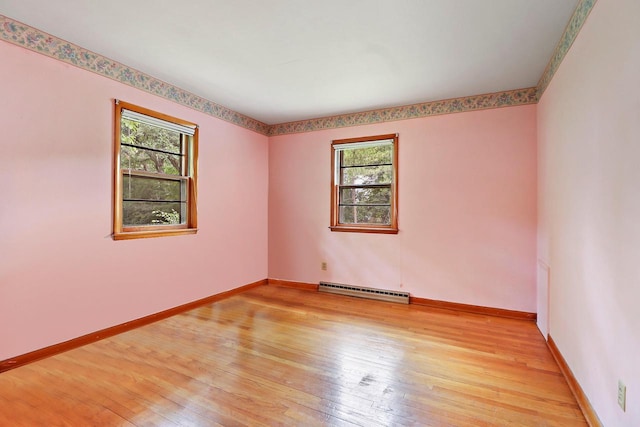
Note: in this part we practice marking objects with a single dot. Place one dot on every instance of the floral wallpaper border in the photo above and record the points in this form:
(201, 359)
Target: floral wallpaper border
(448, 106)
(574, 26)
(33, 39)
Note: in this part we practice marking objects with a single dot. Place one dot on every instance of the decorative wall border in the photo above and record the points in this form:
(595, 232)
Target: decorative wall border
(455, 105)
(33, 39)
(574, 26)
(38, 41)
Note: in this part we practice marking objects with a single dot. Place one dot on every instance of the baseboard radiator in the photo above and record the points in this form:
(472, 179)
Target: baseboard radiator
(358, 291)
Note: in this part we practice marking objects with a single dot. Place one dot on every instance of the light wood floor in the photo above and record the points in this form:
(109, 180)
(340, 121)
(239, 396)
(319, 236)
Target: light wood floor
(279, 356)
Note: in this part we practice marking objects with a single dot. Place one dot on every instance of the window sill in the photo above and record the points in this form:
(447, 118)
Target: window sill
(364, 229)
(127, 235)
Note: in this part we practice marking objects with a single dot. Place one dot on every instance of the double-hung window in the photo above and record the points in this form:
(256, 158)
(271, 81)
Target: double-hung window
(364, 187)
(155, 167)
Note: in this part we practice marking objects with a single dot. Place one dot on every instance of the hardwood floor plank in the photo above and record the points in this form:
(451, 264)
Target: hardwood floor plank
(280, 356)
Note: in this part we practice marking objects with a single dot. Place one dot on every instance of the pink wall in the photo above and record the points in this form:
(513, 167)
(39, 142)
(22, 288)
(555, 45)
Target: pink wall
(589, 127)
(61, 274)
(467, 211)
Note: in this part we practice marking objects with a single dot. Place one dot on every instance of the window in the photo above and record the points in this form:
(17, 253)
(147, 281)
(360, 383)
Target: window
(364, 184)
(155, 174)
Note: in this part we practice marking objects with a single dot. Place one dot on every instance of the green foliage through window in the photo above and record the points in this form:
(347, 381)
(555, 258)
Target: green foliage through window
(365, 185)
(151, 200)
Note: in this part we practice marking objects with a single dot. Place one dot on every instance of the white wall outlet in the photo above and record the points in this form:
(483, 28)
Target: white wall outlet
(323, 266)
(622, 395)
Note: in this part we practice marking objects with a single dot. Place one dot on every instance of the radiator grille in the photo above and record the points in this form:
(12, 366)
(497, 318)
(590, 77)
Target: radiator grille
(358, 291)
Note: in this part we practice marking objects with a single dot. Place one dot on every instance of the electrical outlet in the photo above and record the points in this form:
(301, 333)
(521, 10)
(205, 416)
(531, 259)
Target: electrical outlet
(323, 266)
(622, 395)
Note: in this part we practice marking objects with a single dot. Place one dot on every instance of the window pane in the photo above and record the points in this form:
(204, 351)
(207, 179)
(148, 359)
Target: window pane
(155, 174)
(367, 156)
(152, 213)
(365, 196)
(144, 188)
(141, 159)
(366, 175)
(145, 135)
(365, 215)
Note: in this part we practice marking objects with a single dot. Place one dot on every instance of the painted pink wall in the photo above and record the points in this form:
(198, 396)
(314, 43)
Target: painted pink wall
(61, 274)
(467, 211)
(589, 127)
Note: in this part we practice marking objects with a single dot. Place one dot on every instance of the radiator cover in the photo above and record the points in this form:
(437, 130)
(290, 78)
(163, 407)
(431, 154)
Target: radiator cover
(359, 291)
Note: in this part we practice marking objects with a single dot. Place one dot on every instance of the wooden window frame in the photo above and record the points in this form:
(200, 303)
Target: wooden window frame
(392, 228)
(190, 175)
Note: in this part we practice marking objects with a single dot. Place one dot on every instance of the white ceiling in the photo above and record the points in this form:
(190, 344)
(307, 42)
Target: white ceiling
(285, 60)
